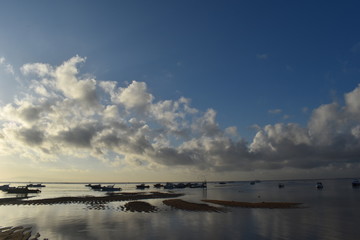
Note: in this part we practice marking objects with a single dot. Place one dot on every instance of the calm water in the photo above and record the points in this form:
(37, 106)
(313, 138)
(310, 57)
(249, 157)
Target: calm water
(330, 213)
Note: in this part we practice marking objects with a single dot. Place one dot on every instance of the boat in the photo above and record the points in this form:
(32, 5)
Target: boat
(180, 185)
(281, 185)
(355, 183)
(110, 188)
(169, 186)
(95, 186)
(319, 185)
(35, 185)
(199, 185)
(22, 189)
(4, 187)
(158, 185)
(252, 183)
(142, 186)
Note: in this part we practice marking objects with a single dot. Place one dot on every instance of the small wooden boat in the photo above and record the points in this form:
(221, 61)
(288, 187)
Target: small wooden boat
(142, 186)
(4, 187)
(22, 189)
(355, 183)
(180, 185)
(319, 185)
(35, 185)
(110, 188)
(158, 185)
(95, 186)
(199, 185)
(169, 186)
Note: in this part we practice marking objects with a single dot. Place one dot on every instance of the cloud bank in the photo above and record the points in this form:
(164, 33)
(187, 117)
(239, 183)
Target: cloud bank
(66, 113)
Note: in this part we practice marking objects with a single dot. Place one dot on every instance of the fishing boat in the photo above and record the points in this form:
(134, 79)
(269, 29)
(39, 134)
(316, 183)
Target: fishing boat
(319, 185)
(142, 186)
(35, 185)
(95, 186)
(180, 185)
(22, 189)
(169, 186)
(110, 188)
(355, 183)
(199, 185)
(4, 187)
(158, 185)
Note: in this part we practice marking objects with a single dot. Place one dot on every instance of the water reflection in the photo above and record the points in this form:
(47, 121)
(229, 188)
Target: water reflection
(332, 213)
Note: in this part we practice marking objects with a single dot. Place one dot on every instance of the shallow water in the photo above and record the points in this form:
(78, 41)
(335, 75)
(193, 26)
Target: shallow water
(330, 213)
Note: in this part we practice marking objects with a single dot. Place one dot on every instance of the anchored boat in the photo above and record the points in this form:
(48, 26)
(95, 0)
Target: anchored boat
(22, 189)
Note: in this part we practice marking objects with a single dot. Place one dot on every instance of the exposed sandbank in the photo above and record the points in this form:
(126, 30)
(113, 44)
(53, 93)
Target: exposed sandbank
(139, 206)
(89, 199)
(189, 206)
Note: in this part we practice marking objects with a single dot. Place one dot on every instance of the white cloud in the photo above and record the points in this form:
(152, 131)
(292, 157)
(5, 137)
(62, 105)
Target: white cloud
(65, 113)
(7, 66)
(353, 101)
(40, 69)
(135, 96)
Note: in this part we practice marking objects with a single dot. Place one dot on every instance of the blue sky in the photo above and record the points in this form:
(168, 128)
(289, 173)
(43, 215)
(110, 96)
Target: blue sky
(251, 76)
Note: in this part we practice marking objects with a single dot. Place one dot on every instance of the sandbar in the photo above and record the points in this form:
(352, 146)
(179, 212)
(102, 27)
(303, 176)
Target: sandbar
(139, 206)
(90, 199)
(189, 206)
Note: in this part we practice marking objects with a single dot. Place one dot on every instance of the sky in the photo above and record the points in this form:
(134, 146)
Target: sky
(132, 91)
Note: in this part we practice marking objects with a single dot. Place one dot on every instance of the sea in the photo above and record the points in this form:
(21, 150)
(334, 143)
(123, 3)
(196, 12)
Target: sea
(330, 213)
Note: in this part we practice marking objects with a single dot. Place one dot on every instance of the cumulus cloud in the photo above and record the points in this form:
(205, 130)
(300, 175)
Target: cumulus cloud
(330, 138)
(66, 113)
(6, 66)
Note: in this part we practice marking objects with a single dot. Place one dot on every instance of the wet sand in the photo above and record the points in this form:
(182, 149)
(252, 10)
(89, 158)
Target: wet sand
(189, 206)
(255, 205)
(17, 233)
(139, 206)
(89, 199)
